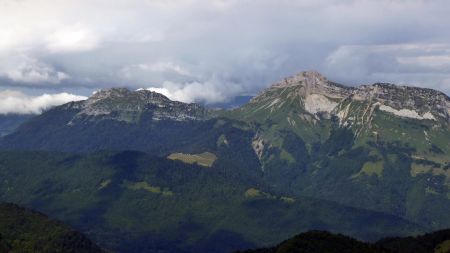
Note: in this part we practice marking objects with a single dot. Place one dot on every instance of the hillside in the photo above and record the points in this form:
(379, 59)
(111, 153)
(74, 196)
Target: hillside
(134, 202)
(9, 122)
(386, 146)
(23, 230)
(321, 242)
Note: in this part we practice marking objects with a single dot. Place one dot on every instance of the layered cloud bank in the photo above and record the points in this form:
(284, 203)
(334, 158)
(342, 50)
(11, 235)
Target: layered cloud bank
(19, 103)
(211, 50)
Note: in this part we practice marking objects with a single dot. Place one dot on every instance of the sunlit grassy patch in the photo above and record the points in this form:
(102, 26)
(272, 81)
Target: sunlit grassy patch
(222, 141)
(205, 159)
(287, 156)
(104, 184)
(255, 193)
(146, 186)
(371, 168)
(287, 199)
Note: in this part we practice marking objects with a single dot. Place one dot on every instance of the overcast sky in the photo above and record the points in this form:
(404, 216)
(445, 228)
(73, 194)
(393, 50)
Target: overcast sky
(209, 51)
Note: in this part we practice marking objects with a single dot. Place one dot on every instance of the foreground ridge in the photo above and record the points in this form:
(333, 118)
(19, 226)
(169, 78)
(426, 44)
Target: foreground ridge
(322, 241)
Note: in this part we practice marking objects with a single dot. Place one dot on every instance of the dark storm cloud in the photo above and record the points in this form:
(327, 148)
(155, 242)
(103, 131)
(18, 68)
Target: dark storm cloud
(212, 50)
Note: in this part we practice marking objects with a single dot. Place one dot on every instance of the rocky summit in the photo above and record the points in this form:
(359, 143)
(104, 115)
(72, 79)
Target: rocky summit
(129, 106)
(316, 95)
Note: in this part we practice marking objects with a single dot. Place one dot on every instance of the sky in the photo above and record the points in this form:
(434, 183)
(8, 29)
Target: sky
(55, 51)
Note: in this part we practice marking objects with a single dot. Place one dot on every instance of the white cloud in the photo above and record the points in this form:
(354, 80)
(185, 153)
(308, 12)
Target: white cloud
(141, 43)
(23, 69)
(72, 39)
(426, 65)
(430, 61)
(209, 92)
(158, 67)
(19, 103)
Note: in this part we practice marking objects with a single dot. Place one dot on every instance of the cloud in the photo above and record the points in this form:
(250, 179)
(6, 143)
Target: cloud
(26, 70)
(421, 64)
(157, 68)
(72, 39)
(208, 92)
(215, 46)
(19, 103)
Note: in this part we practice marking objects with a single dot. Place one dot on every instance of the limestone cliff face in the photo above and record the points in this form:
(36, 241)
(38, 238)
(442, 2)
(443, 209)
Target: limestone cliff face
(124, 105)
(315, 94)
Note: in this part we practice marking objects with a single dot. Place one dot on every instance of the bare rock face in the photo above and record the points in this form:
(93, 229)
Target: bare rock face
(421, 100)
(312, 82)
(315, 94)
(124, 105)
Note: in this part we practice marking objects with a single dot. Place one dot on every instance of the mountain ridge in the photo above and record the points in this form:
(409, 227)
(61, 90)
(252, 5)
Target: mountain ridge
(301, 138)
(125, 105)
(322, 241)
(320, 95)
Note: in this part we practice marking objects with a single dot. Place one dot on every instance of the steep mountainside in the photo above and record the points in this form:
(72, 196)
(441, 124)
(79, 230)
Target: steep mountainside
(22, 230)
(116, 119)
(319, 242)
(9, 122)
(386, 146)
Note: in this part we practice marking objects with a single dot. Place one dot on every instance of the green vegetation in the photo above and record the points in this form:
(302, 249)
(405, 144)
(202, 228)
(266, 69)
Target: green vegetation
(255, 193)
(222, 140)
(104, 184)
(427, 243)
(205, 159)
(276, 169)
(23, 231)
(153, 197)
(9, 122)
(146, 186)
(372, 168)
(320, 242)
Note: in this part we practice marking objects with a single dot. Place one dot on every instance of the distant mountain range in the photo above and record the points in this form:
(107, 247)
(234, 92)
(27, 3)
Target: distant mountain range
(306, 153)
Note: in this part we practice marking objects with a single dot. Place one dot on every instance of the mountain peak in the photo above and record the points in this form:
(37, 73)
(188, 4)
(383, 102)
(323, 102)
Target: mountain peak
(314, 93)
(103, 93)
(307, 78)
(145, 96)
(122, 104)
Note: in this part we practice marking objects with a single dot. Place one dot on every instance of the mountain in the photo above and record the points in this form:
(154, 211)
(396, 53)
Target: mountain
(116, 119)
(9, 122)
(381, 149)
(320, 241)
(23, 230)
(126, 106)
(385, 145)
